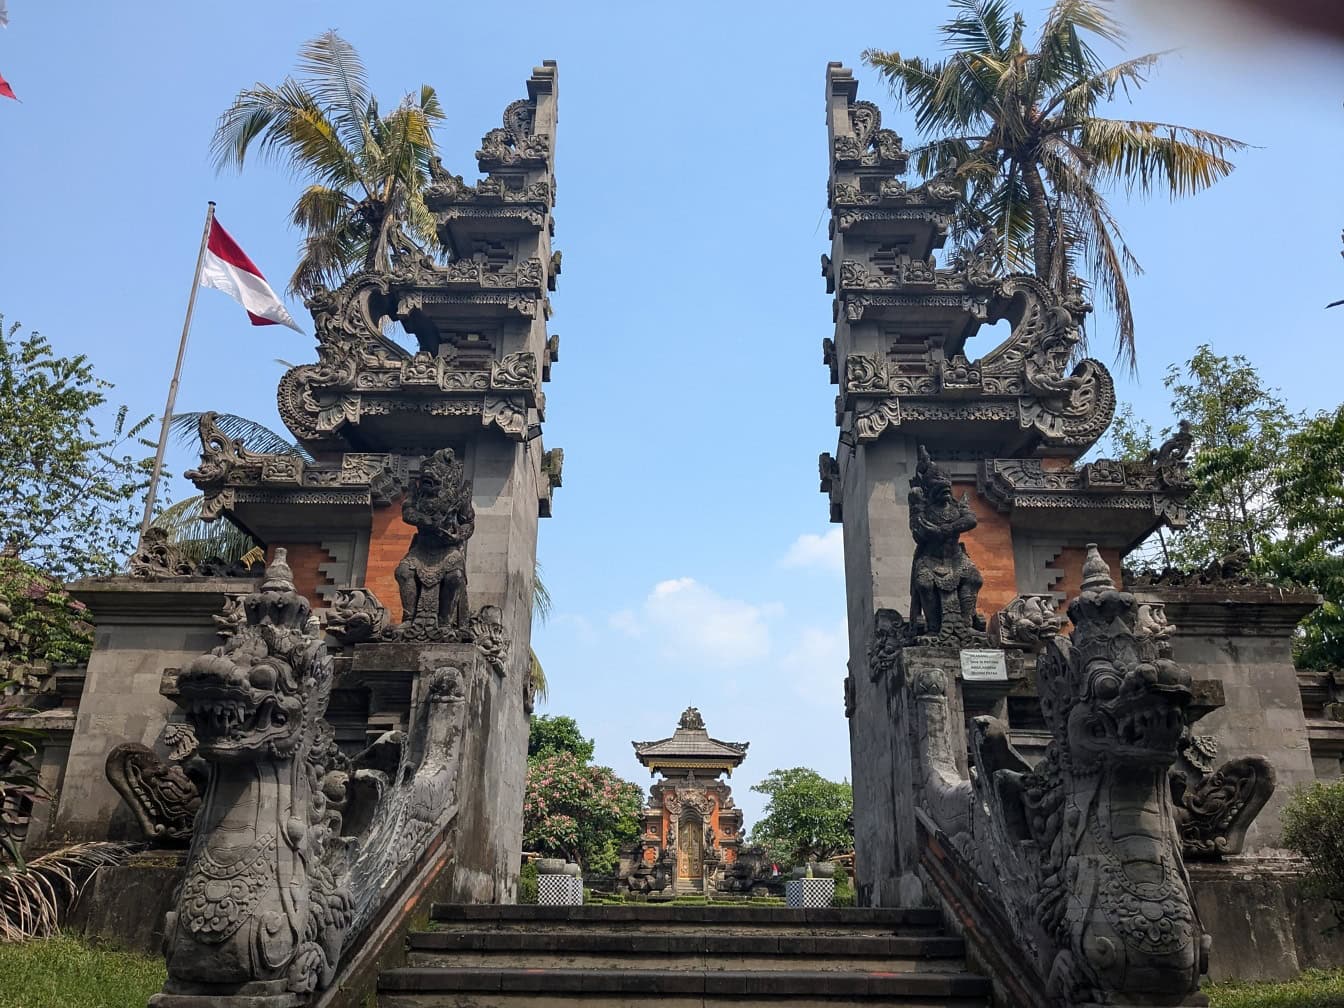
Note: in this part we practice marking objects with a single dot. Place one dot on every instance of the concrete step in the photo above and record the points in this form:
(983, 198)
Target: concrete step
(591, 948)
(691, 919)
(459, 987)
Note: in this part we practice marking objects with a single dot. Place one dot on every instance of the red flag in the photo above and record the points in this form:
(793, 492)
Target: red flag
(6, 91)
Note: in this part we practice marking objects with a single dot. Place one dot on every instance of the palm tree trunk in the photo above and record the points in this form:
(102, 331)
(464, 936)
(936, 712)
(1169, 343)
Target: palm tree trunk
(1040, 219)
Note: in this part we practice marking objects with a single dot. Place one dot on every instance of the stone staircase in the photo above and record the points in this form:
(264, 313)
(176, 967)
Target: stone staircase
(681, 956)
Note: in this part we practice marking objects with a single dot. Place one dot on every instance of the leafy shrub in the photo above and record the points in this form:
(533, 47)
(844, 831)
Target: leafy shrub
(1313, 825)
(527, 883)
(51, 625)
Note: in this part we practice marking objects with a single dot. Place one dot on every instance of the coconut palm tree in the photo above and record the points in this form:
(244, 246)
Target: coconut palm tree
(1015, 127)
(366, 169)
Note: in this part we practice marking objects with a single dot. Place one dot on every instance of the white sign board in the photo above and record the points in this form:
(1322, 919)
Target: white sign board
(983, 666)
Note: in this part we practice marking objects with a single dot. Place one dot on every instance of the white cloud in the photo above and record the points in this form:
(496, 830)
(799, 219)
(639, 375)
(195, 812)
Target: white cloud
(693, 621)
(816, 661)
(820, 552)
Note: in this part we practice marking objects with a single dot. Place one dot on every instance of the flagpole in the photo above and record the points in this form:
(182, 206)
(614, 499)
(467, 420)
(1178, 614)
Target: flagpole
(177, 374)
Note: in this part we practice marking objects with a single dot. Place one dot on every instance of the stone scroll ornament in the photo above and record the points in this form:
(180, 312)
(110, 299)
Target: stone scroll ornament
(944, 581)
(164, 795)
(1082, 854)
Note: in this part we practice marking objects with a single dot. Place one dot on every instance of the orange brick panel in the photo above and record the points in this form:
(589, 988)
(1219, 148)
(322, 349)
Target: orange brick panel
(990, 545)
(389, 539)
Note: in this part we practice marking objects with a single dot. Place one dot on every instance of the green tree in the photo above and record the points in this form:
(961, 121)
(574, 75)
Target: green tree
(1309, 490)
(550, 734)
(1313, 826)
(1016, 127)
(807, 817)
(366, 170)
(578, 811)
(1240, 429)
(71, 496)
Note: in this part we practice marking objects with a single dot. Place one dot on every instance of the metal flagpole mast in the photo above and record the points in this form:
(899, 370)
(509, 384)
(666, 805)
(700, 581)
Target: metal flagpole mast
(177, 374)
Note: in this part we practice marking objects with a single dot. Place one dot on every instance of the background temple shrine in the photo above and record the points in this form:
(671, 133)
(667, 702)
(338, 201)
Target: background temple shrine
(692, 831)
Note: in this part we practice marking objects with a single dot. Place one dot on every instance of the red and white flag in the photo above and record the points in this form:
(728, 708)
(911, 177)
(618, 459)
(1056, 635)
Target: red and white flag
(227, 268)
(6, 91)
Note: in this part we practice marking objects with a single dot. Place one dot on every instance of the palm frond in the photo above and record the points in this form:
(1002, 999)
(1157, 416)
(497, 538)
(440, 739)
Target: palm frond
(321, 208)
(199, 540)
(540, 687)
(984, 26)
(1076, 101)
(337, 80)
(1144, 154)
(34, 897)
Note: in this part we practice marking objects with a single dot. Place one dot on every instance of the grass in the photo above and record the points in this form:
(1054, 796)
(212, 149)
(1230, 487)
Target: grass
(64, 972)
(1313, 989)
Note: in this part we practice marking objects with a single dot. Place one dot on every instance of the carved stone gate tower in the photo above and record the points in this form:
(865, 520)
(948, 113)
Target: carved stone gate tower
(370, 413)
(1005, 423)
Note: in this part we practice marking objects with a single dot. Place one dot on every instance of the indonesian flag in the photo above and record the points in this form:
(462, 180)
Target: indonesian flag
(6, 91)
(227, 268)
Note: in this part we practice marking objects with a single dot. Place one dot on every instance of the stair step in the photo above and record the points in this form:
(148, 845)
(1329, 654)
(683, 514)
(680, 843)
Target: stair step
(652, 950)
(421, 987)
(889, 920)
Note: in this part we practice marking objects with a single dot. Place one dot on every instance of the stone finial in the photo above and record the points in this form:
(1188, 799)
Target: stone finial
(1096, 572)
(691, 720)
(279, 577)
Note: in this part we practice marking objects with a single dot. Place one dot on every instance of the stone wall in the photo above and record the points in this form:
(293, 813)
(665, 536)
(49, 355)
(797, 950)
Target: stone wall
(1243, 637)
(144, 629)
(1262, 926)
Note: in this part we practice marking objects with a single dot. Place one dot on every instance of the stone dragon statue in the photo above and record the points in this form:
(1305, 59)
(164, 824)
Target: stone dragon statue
(264, 907)
(1083, 853)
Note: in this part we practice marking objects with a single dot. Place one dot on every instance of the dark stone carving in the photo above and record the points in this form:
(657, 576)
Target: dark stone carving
(1027, 622)
(1214, 815)
(890, 634)
(691, 719)
(1108, 889)
(164, 796)
(1229, 571)
(433, 575)
(944, 582)
(264, 907)
(487, 629)
(157, 557)
(356, 615)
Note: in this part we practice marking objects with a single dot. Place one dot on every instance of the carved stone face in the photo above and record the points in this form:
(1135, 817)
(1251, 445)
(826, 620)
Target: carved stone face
(242, 713)
(1130, 706)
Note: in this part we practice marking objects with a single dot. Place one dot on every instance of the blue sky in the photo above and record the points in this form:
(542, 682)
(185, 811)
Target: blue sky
(689, 558)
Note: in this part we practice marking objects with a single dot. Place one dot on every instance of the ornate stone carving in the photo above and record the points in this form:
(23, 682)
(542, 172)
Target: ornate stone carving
(506, 413)
(1027, 622)
(690, 718)
(944, 581)
(890, 634)
(487, 629)
(164, 796)
(1215, 813)
(157, 557)
(829, 470)
(356, 615)
(553, 466)
(1101, 873)
(264, 905)
(432, 577)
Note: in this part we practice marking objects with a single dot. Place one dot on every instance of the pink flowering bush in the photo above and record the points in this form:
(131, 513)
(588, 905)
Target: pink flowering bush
(577, 811)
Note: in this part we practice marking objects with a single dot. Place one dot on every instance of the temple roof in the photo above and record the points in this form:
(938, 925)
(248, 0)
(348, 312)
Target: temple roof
(690, 748)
